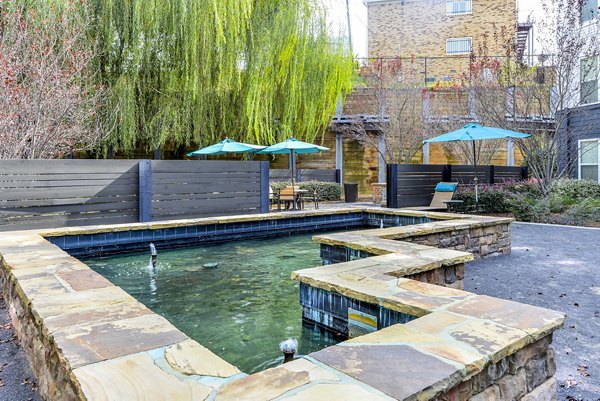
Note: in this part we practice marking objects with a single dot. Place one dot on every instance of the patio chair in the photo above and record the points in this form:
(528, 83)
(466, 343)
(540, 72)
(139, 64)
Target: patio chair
(444, 191)
(273, 197)
(313, 197)
(289, 197)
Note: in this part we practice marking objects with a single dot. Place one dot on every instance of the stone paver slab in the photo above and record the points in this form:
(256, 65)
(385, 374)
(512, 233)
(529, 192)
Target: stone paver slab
(263, 386)
(532, 319)
(136, 378)
(338, 392)
(397, 370)
(85, 279)
(97, 306)
(83, 345)
(191, 358)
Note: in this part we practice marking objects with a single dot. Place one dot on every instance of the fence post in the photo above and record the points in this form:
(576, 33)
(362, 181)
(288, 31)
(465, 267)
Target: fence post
(492, 173)
(447, 173)
(338, 176)
(264, 187)
(392, 185)
(145, 191)
(525, 172)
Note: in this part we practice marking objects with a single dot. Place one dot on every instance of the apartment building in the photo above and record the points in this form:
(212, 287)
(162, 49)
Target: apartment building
(584, 121)
(444, 32)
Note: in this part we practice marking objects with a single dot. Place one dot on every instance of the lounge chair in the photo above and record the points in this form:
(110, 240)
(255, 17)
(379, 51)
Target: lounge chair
(444, 191)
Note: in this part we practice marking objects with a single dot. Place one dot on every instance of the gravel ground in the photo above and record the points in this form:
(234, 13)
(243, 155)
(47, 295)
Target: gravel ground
(16, 379)
(555, 267)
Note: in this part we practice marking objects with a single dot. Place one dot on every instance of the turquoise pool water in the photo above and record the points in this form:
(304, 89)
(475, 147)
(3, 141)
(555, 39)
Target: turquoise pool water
(241, 309)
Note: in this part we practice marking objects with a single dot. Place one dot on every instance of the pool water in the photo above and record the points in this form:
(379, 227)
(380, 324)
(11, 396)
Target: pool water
(241, 309)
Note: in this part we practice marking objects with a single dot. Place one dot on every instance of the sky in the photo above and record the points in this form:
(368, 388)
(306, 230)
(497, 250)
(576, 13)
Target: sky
(358, 19)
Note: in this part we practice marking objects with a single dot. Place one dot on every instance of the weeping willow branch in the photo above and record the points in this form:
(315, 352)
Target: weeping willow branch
(184, 71)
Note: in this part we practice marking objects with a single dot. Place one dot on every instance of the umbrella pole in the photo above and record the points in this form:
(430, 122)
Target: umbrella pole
(293, 175)
(475, 179)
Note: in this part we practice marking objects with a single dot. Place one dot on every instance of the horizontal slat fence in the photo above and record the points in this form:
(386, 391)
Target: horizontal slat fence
(188, 189)
(414, 184)
(303, 175)
(55, 193)
(60, 193)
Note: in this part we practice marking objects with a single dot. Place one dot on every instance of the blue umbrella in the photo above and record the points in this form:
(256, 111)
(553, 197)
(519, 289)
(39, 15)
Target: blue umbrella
(292, 147)
(226, 146)
(475, 132)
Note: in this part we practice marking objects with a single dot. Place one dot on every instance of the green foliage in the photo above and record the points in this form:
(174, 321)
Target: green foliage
(184, 71)
(327, 191)
(571, 202)
(491, 200)
(577, 189)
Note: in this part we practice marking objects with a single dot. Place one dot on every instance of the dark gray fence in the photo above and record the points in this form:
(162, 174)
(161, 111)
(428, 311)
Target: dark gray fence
(188, 189)
(413, 184)
(57, 193)
(323, 175)
(48, 193)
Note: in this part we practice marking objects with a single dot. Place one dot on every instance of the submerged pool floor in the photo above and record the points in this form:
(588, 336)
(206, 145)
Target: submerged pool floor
(241, 309)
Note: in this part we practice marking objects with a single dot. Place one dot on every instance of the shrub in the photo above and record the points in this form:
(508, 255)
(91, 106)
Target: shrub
(526, 207)
(576, 189)
(327, 191)
(586, 210)
(492, 199)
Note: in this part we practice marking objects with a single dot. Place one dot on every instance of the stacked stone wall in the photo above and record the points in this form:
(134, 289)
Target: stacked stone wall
(526, 375)
(54, 377)
(481, 241)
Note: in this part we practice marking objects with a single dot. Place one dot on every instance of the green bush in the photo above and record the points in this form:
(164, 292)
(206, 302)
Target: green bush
(571, 201)
(492, 199)
(327, 191)
(576, 189)
(586, 210)
(526, 207)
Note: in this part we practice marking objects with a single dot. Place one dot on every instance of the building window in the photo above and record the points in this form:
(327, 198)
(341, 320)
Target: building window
(588, 159)
(454, 7)
(589, 80)
(458, 46)
(589, 11)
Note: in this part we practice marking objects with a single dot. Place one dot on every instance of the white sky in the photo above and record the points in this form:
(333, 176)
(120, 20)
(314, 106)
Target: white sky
(358, 19)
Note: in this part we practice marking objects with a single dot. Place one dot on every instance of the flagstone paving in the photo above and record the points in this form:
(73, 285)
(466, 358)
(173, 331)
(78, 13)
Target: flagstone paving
(128, 353)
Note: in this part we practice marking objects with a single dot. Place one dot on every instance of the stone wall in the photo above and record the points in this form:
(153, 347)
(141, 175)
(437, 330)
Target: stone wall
(447, 276)
(526, 375)
(481, 241)
(53, 375)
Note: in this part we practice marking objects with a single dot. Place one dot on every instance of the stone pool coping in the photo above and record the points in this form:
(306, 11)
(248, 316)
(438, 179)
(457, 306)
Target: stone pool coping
(96, 342)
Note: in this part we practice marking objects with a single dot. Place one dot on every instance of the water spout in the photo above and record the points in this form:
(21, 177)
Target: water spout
(289, 347)
(153, 254)
(381, 223)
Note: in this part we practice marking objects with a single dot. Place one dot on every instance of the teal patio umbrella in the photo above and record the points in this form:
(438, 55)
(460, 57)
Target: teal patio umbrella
(292, 147)
(226, 146)
(476, 132)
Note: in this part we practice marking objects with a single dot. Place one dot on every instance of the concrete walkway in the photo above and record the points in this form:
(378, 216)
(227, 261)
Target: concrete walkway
(554, 267)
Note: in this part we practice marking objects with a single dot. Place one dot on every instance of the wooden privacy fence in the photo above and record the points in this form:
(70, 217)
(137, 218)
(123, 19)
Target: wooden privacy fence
(413, 184)
(303, 175)
(56, 193)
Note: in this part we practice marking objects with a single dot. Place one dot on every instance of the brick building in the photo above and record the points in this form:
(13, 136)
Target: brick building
(442, 33)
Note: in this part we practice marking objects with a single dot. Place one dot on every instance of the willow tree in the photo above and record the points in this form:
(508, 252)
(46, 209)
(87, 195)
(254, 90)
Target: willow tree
(182, 71)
